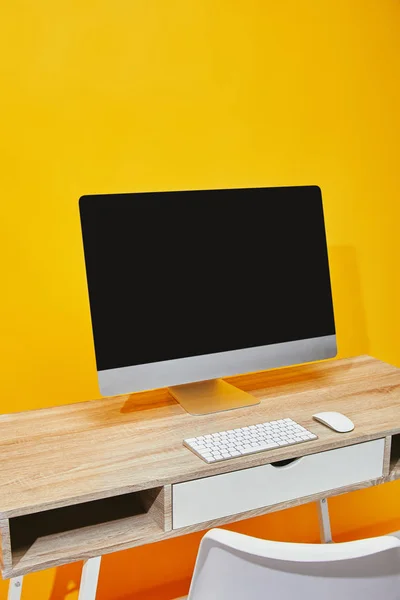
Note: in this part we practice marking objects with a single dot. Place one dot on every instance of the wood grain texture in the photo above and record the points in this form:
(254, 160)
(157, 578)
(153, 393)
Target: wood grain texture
(168, 507)
(80, 452)
(59, 548)
(387, 456)
(5, 545)
(153, 501)
(83, 530)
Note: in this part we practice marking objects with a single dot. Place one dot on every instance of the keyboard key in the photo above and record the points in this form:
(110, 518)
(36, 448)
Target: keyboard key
(248, 451)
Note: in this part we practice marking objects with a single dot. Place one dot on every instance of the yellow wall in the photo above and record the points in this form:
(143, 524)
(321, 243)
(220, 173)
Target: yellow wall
(115, 96)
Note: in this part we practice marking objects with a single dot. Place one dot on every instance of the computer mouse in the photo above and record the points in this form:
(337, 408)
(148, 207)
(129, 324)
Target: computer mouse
(335, 421)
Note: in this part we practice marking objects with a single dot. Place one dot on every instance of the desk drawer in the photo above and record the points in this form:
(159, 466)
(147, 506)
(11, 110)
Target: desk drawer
(220, 496)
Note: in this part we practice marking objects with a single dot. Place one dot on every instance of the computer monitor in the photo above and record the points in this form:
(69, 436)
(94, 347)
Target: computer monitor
(188, 287)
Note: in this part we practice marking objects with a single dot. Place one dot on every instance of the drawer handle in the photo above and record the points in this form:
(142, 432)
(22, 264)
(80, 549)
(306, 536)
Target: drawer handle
(288, 462)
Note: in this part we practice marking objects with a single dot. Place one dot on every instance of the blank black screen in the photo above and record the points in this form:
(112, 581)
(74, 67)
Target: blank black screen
(178, 274)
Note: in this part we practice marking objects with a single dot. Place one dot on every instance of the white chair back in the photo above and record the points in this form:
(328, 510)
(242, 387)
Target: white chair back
(232, 566)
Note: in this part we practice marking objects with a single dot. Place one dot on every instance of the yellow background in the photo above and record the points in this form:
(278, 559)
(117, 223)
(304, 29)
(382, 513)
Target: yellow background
(118, 96)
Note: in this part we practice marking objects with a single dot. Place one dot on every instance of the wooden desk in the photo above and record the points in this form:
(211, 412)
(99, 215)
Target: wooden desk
(87, 479)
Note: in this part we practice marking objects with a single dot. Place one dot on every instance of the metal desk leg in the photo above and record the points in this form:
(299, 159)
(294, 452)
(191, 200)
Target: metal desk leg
(90, 576)
(324, 521)
(15, 588)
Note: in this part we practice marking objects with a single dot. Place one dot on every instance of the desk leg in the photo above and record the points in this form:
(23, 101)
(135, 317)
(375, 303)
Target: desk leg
(324, 521)
(90, 576)
(15, 588)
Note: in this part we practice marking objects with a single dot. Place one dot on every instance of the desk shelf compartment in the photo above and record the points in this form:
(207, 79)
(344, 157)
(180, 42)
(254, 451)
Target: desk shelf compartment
(61, 535)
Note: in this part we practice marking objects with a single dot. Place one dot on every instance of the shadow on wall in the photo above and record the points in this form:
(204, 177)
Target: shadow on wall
(66, 581)
(66, 586)
(351, 326)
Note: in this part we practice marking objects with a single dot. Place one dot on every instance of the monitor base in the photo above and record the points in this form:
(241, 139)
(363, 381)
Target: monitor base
(207, 397)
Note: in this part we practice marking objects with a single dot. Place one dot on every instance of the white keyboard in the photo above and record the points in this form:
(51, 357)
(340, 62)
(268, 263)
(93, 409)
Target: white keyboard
(232, 443)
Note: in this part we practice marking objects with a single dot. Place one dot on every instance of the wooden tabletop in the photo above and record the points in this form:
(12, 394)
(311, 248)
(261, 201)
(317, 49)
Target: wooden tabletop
(80, 452)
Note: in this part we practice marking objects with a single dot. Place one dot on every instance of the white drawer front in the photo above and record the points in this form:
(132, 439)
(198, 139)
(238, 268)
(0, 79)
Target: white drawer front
(232, 493)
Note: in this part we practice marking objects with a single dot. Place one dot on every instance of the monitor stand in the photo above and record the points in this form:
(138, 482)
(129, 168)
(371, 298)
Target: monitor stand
(207, 397)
